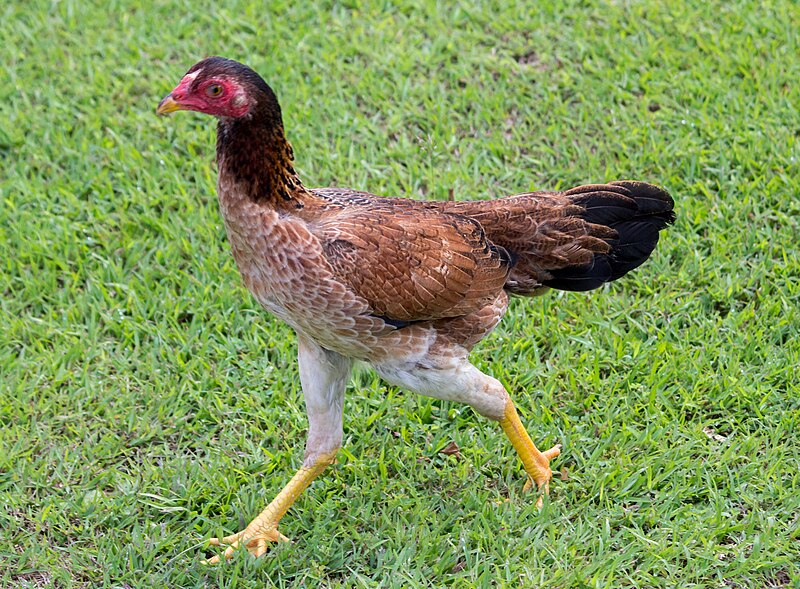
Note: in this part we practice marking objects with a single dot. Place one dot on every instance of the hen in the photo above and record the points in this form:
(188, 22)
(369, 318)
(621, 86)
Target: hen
(408, 287)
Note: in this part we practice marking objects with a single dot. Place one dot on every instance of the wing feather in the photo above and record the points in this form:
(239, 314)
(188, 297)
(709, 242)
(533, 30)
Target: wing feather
(414, 264)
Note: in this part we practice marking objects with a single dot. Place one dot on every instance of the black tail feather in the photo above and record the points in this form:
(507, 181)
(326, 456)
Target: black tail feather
(637, 212)
(606, 208)
(582, 278)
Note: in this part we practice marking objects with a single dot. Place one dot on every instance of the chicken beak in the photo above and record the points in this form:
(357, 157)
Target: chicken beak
(168, 105)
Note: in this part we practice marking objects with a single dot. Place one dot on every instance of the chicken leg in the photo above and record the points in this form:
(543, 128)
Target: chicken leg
(537, 464)
(450, 376)
(323, 376)
(264, 528)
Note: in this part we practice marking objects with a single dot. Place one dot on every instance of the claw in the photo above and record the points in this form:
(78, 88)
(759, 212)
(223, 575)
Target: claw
(226, 540)
(256, 544)
(552, 452)
(544, 483)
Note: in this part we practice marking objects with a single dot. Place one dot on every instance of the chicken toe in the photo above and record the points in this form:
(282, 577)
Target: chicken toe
(256, 543)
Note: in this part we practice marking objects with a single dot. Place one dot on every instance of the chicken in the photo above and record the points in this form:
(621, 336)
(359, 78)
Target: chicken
(408, 287)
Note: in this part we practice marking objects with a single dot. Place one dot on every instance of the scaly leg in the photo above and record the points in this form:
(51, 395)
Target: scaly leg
(264, 528)
(452, 377)
(323, 375)
(537, 464)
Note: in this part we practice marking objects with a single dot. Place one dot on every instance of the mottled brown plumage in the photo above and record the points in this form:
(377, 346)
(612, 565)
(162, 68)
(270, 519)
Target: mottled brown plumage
(407, 286)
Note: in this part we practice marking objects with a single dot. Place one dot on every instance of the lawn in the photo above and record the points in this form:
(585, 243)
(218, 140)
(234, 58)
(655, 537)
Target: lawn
(147, 403)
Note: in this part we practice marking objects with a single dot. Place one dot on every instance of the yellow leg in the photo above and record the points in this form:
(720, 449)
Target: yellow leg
(537, 464)
(264, 528)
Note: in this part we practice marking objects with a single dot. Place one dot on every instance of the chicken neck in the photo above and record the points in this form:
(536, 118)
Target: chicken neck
(254, 156)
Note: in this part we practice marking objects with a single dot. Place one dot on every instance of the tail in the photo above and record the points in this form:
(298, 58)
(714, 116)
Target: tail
(574, 240)
(635, 211)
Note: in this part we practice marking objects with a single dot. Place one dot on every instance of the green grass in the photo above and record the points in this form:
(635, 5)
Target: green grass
(146, 403)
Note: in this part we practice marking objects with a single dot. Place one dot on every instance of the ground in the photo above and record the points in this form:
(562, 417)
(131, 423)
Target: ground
(146, 403)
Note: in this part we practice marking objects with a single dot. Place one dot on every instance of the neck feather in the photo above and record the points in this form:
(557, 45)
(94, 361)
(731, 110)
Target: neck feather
(253, 152)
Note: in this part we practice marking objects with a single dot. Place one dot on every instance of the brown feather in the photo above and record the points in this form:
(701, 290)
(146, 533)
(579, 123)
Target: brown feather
(412, 264)
(408, 286)
(353, 271)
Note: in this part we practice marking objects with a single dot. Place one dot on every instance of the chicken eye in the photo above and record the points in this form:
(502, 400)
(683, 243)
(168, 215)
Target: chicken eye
(214, 90)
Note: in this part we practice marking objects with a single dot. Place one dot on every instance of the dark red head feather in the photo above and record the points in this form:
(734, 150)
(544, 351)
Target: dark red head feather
(223, 88)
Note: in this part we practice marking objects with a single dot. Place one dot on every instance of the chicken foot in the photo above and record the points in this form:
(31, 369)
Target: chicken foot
(536, 463)
(264, 528)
